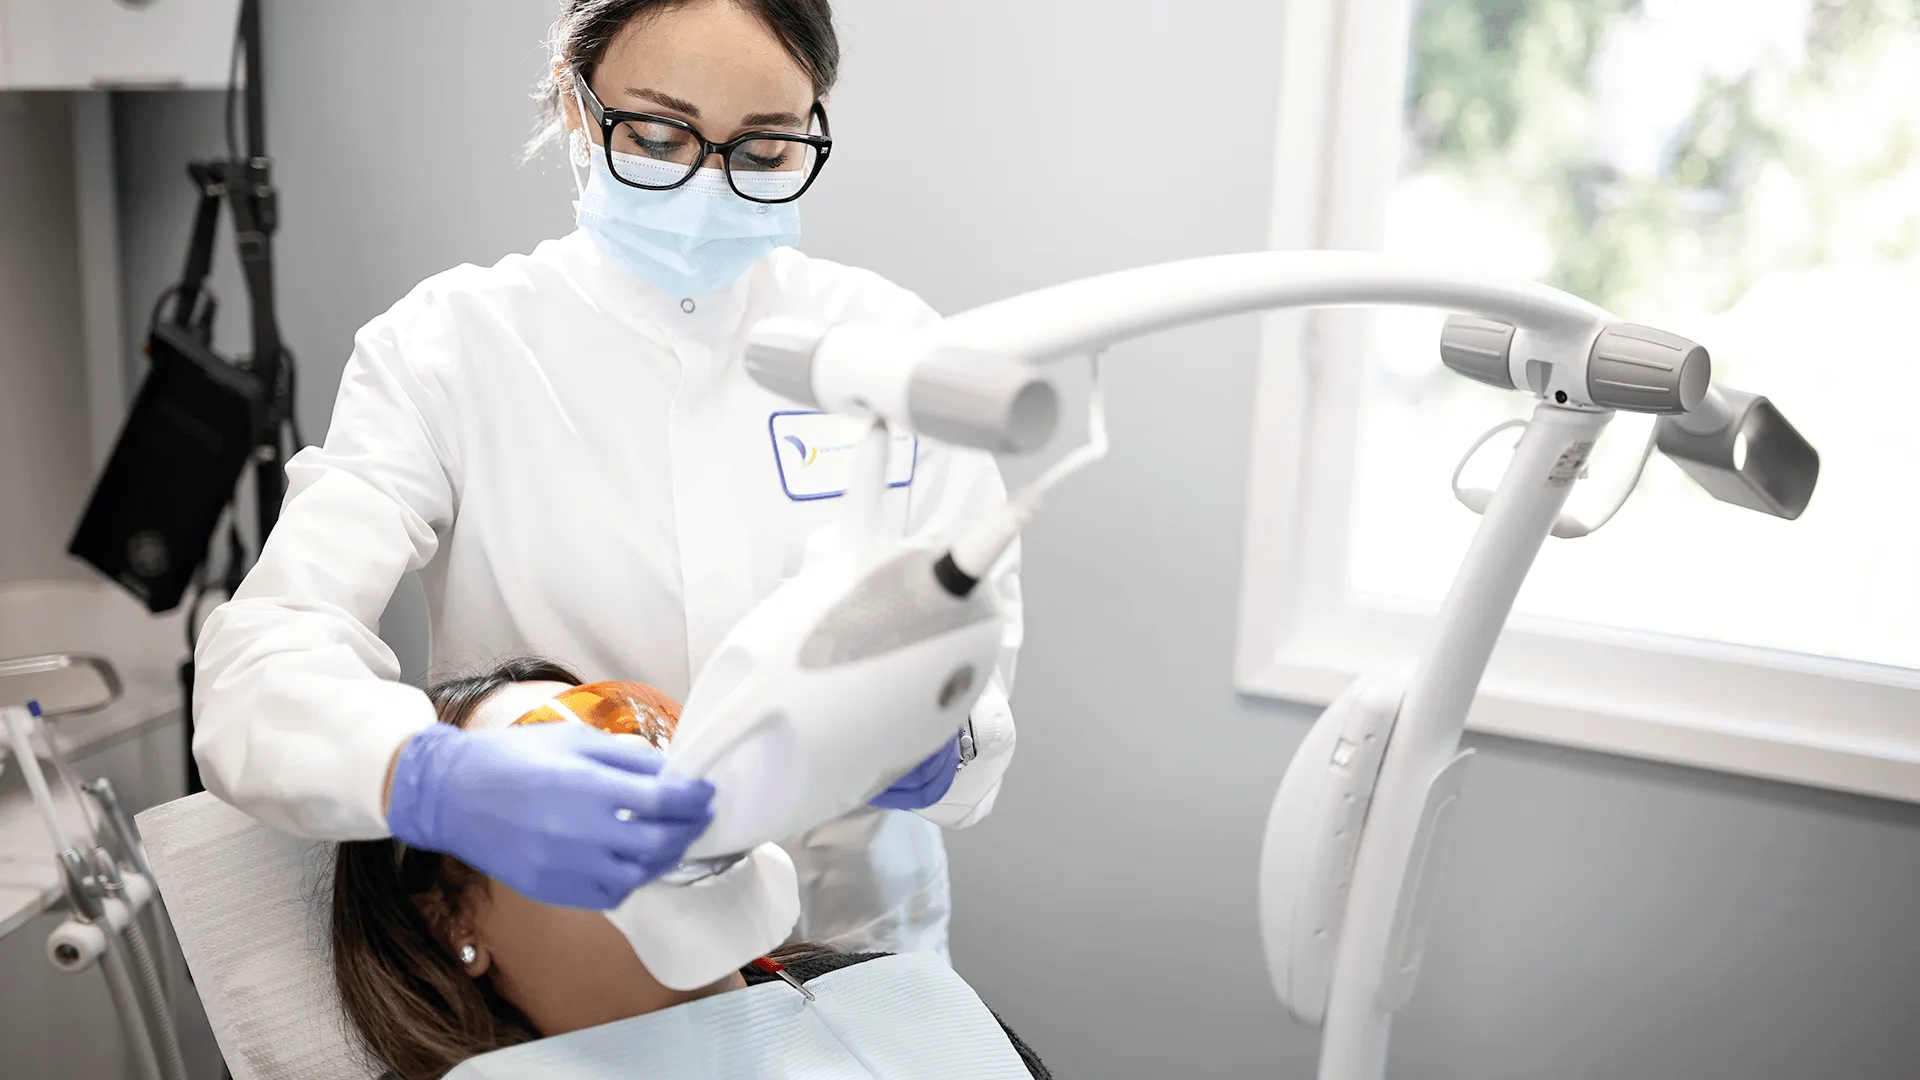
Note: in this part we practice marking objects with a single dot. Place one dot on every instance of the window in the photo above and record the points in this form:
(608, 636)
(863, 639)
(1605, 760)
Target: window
(1743, 172)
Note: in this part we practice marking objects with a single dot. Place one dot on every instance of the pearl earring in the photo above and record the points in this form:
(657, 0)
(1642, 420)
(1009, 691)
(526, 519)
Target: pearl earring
(580, 148)
(468, 953)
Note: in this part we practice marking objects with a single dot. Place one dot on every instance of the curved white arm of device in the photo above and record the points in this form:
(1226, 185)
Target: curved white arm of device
(1080, 316)
(1361, 824)
(974, 379)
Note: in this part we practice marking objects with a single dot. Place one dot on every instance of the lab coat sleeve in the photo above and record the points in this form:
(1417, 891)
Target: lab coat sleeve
(296, 705)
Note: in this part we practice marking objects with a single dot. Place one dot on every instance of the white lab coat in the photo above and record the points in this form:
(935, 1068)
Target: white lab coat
(580, 468)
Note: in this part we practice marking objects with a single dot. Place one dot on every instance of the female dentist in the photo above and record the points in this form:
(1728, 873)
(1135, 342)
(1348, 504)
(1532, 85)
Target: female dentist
(568, 449)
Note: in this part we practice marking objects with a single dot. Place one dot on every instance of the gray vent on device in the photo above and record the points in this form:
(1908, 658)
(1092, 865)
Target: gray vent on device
(1741, 449)
(1640, 369)
(1478, 348)
(984, 401)
(898, 605)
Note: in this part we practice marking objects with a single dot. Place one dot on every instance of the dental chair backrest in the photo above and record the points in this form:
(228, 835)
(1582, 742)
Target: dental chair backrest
(250, 907)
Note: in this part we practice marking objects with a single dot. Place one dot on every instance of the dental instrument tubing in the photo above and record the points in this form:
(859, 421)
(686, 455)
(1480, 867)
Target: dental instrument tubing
(1433, 718)
(116, 966)
(1069, 319)
(167, 1040)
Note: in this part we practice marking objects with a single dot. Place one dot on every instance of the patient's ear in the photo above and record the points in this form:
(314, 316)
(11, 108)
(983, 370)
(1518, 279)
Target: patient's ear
(455, 929)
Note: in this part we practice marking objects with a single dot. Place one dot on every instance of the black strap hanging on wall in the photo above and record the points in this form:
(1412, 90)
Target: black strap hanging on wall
(248, 185)
(256, 217)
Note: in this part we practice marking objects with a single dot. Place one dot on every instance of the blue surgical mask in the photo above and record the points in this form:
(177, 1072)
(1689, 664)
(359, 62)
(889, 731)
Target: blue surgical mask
(693, 240)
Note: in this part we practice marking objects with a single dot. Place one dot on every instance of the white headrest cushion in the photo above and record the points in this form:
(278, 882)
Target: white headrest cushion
(250, 907)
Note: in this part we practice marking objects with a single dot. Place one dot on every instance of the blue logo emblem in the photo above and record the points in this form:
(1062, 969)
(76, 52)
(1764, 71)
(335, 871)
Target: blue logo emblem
(807, 456)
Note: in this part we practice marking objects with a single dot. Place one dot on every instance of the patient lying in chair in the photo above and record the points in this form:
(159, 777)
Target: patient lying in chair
(403, 920)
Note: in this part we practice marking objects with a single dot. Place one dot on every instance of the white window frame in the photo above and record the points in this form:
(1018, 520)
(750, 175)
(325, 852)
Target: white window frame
(1812, 721)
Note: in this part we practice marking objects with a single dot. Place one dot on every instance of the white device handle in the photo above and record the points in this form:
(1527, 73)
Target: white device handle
(862, 528)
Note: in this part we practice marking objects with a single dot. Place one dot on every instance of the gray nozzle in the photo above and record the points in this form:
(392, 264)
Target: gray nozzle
(1640, 369)
(1743, 451)
(984, 401)
(780, 357)
(1479, 349)
(981, 400)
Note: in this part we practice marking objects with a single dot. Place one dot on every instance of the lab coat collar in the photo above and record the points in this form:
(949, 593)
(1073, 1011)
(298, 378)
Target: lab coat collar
(710, 319)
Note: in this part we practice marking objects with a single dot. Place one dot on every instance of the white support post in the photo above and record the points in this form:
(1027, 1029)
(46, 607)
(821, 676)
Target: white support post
(1373, 972)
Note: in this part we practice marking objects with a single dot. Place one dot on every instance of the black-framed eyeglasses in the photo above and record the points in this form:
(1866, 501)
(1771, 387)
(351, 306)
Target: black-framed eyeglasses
(660, 153)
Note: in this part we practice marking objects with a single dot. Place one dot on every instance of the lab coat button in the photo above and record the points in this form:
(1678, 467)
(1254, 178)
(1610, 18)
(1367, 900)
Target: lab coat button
(687, 305)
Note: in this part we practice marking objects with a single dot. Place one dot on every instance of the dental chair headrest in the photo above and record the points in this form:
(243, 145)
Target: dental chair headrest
(250, 907)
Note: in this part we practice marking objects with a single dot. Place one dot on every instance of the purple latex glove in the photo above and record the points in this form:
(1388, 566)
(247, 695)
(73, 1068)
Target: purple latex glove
(560, 813)
(926, 784)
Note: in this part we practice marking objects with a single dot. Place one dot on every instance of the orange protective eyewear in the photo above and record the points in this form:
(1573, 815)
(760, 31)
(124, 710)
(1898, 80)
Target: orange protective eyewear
(617, 708)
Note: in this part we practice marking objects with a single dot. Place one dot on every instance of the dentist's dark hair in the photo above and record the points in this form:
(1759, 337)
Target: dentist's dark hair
(588, 28)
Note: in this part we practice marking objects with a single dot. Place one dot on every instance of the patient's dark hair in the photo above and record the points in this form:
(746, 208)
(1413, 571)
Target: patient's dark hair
(414, 1006)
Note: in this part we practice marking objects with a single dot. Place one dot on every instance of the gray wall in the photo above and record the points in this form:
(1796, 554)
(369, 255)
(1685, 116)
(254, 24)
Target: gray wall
(1603, 920)
(45, 473)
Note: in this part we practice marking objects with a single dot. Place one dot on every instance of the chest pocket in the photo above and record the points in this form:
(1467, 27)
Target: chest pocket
(813, 454)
